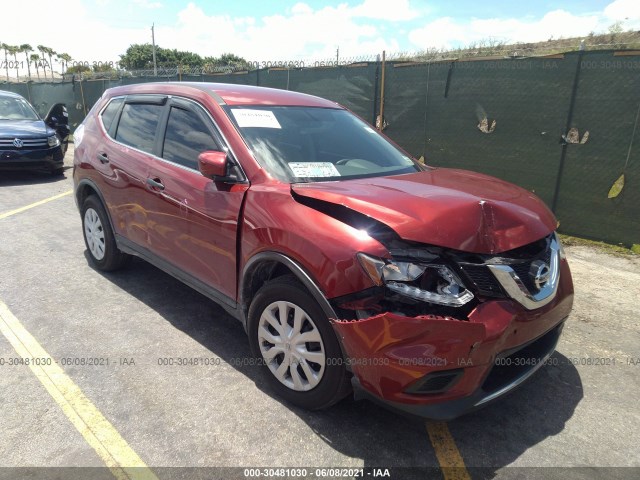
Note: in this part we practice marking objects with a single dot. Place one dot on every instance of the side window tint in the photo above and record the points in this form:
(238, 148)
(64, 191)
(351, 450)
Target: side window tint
(109, 113)
(187, 137)
(138, 123)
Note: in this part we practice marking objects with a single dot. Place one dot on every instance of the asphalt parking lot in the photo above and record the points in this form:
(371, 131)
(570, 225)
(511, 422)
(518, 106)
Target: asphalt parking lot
(579, 411)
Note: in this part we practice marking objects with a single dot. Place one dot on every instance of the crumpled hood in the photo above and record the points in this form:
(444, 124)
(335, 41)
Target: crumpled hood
(24, 129)
(450, 208)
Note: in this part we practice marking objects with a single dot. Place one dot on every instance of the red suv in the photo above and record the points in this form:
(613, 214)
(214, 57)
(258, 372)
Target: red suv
(351, 265)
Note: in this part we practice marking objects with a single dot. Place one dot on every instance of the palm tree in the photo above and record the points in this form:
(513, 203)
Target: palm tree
(64, 58)
(5, 47)
(43, 50)
(27, 49)
(35, 58)
(14, 50)
(51, 52)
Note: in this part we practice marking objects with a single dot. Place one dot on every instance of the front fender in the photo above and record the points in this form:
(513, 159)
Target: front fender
(323, 246)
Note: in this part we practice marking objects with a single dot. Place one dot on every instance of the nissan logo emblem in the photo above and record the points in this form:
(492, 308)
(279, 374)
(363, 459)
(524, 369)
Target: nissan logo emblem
(540, 272)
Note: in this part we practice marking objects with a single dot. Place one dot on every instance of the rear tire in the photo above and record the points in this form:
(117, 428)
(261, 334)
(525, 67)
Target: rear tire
(294, 342)
(98, 237)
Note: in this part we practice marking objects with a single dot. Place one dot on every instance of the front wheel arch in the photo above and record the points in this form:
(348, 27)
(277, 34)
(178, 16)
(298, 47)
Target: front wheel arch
(268, 265)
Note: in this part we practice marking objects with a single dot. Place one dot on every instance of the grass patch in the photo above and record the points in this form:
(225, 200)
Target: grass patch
(619, 250)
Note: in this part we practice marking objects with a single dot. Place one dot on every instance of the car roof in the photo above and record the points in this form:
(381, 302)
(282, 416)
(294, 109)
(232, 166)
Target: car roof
(228, 94)
(4, 93)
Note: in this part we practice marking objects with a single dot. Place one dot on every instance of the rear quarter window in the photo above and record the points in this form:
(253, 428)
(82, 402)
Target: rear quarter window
(138, 125)
(109, 114)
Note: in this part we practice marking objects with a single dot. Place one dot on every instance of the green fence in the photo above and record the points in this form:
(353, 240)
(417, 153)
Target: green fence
(519, 119)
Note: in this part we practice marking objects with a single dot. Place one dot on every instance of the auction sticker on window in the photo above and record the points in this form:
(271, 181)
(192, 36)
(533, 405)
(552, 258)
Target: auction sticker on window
(247, 117)
(314, 169)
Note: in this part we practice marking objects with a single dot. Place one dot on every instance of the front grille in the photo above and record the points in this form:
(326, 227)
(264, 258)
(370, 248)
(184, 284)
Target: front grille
(27, 144)
(519, 260)
(483, 279)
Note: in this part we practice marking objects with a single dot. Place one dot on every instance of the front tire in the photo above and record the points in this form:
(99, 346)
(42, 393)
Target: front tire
(293, 340)
(98, 237)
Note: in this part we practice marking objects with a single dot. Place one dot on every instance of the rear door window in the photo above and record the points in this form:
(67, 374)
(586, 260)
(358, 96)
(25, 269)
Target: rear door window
(138, 125)
(187, 137)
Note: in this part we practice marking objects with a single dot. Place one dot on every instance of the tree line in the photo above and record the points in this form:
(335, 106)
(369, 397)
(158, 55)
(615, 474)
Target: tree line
(140, 57)
(136, 57)
(38, 60)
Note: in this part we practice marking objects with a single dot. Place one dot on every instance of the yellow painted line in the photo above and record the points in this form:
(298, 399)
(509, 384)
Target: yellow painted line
(449, 458)
(41, 202)
(114, 451)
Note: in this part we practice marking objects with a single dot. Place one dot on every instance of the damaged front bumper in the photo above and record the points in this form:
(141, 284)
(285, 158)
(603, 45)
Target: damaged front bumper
(439, 367)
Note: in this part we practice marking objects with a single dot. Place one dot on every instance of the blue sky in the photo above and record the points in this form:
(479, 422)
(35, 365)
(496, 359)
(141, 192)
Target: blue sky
(99, 30)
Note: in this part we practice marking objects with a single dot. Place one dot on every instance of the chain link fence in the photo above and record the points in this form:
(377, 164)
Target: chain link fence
(563, 126)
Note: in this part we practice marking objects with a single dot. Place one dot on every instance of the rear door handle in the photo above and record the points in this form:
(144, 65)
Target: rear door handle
(103, 157)
(155, 183)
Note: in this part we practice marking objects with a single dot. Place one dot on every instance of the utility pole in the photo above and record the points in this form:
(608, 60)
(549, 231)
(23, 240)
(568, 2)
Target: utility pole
(337, 56)
(153, 41)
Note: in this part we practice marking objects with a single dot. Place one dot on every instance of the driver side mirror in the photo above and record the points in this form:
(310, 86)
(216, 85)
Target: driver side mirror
(213, 165)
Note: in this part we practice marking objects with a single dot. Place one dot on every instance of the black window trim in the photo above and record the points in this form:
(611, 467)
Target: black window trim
(176, 101)
(162, 126)
(198, 112)
(151, 99)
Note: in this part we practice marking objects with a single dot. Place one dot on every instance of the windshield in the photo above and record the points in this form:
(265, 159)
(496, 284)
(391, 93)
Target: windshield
(15, 108)
(309, 144)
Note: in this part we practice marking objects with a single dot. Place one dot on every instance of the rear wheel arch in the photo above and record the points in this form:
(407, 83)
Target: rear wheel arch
(266, 266)
(86, 188)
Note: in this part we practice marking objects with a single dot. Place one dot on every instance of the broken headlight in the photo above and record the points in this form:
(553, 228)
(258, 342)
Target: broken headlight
(423, 282)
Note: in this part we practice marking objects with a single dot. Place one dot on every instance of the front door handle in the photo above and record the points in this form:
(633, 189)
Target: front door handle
(155, 183)
(103, 157)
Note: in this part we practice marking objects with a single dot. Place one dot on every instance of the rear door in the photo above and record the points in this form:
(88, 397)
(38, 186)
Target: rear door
(195, 222)
(131, 124)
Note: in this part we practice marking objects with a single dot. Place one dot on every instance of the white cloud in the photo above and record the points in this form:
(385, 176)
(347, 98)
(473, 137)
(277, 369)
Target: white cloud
(396, 11)
(301, 9)
(84, 40)
(441, 33)
(303, 32)
(626, 11)
(622, 9)
(147, 4)
(446, 32)
(554, 24)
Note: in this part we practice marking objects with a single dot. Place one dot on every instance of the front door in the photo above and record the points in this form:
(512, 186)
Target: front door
(193, 220)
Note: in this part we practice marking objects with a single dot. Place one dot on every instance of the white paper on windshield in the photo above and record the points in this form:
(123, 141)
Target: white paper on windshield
(314, 169)
(255, 118)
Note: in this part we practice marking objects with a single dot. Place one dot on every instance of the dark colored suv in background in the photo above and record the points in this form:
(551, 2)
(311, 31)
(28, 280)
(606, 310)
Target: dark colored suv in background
(29, 142)
(351, 265)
